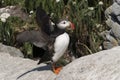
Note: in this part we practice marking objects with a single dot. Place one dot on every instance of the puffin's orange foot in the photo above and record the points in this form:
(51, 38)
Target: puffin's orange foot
(56, 70)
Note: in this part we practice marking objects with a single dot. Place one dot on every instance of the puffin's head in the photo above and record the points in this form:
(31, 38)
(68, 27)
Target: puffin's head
(64, 24)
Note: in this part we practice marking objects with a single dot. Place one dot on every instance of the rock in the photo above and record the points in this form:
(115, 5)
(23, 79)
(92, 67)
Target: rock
(116, 8)
(115, 28)
(16, 68)
(117, 1)
(11, 50)
(109, 41)
(113, 12)
(104, 65)
(15, 11)
(108, 11)
(107, 45)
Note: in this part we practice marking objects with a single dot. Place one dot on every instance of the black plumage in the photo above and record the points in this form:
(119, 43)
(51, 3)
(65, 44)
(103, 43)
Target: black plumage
(43, 20)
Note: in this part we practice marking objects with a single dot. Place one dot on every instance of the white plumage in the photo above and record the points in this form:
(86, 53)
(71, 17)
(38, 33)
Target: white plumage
(60, 46)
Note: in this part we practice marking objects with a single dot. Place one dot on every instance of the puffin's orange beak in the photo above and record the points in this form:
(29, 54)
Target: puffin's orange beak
(72, 26)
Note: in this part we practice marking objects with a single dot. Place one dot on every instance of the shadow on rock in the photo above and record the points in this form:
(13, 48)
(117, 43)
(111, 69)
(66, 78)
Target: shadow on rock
(41, 68)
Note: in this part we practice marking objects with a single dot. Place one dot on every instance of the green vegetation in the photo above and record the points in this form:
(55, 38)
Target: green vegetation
(87, 15)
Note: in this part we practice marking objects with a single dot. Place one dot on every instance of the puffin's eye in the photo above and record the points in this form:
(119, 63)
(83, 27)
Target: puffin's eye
(64, 22)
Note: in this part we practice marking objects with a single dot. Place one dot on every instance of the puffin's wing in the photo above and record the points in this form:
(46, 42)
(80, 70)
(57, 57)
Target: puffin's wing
(35, 37)
(43, 20)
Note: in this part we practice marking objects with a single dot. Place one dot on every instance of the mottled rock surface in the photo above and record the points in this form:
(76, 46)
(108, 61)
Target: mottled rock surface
(16, 68)
(11, 50)
(14, 11)
(112, 15)
(104, 65)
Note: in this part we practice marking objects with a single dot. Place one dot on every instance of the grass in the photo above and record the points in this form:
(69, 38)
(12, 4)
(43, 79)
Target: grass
(88, 22)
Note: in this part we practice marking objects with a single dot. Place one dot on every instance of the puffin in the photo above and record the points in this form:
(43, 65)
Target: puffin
(54, 39)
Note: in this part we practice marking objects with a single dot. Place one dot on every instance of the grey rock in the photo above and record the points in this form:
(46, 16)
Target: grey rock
(109, 41)
(108, 11)
(107, 36)
(11, 50)
(115, 28)
(113, 12)
(104, 65)
(118, 1)
(107, 45)
(112, 15)
(116, 8)
(15, 11)
(116, 11)
(16, 68)
(109, 22)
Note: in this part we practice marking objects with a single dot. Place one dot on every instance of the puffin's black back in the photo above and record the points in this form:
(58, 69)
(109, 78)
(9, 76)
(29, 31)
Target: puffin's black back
(43, 20)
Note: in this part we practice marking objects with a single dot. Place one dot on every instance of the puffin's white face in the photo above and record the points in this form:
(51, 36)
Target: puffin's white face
(64, 24)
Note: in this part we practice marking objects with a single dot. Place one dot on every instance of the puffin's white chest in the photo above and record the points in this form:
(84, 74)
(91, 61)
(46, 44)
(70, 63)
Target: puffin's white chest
(61, 41)
(60, 46)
